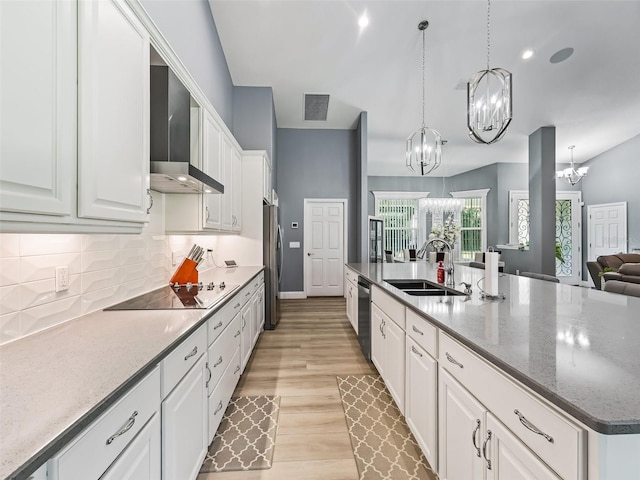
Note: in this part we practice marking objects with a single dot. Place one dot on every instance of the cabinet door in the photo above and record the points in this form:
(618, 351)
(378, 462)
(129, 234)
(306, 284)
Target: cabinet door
(246, 337)
(350, 300)
(258, 319)
(421, 400)
(394, 355)
(510, 458)
(141, 459)
(212, 165)
(266, 181)
(377, 339)
(113, 113)
(227, 197)
(236, 180)
(354, 310)
(184, 426)
(38, 114)
(461, 432)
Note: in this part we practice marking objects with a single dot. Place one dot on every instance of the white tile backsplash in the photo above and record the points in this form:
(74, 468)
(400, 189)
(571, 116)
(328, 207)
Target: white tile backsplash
(9, 271)
(40, 267)
(44, 316)
(38, 244)
(99, 299)
(100, 279)
(9, 245)
(9, 327)
(9, 299)
(100, 260)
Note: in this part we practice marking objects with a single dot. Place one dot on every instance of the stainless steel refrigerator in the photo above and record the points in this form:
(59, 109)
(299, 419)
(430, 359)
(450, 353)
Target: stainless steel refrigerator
(272, 258)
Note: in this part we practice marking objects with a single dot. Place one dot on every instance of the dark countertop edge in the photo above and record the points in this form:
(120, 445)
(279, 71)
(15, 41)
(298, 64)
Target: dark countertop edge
(619, 427)
(53, 447)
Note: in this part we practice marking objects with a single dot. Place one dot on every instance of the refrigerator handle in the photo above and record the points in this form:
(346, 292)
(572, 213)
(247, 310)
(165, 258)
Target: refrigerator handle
(279, 241)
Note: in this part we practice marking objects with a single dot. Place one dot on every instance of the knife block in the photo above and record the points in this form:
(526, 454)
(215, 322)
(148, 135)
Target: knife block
(186, 272)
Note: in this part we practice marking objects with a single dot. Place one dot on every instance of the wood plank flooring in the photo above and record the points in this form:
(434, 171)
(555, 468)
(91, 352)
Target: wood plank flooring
(299, 361)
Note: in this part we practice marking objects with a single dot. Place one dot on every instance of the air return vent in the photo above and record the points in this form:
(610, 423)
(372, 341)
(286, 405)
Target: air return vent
(315, 107)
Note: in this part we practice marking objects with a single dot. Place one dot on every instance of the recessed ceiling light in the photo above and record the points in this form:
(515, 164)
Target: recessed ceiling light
(363, 21)
(207, 190)
(561, 55)
(527, 54)
(182, 179)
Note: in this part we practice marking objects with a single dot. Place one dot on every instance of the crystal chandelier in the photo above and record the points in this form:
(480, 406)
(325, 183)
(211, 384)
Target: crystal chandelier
(572, 175)
(424, 146)
(439, 206)
(489, 99)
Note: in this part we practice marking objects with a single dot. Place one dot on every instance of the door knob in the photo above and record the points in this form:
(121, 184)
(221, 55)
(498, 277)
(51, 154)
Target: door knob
(309, 254)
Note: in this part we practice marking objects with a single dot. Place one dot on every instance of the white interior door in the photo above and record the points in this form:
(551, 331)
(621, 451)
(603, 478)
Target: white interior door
(607, 225)
(324, 238)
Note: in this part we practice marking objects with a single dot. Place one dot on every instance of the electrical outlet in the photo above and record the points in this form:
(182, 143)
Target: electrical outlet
(517, 272)
(62, 278)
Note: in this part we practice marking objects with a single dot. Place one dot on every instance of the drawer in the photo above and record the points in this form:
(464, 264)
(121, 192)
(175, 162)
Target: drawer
(520, 410)
(257, 281)
(221, 395)
(393, 308)
(351, 275)
(424, 334)
(177, 363)
(222, 318)
(221, 352)
(91, 452)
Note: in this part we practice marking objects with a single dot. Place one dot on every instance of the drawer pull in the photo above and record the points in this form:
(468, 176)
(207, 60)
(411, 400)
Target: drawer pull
(191, 353)
(210, 375)
(218, 325)
(248, 294)
(218, 408)
(453, 360)
(218, 362)
(415, 350)
(125, 429)
(413, 327)
(532, 427)
(473, 437)
(484, 449)
(236, 305)
(237, 334)
(236, 370)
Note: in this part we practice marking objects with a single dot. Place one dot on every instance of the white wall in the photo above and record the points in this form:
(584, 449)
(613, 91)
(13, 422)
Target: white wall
(104, 270)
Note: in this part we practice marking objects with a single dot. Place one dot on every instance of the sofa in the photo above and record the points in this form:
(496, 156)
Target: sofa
(629, 263)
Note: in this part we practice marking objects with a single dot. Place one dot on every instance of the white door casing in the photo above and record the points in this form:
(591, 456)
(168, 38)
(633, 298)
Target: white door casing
(607, 227)
(325, 245)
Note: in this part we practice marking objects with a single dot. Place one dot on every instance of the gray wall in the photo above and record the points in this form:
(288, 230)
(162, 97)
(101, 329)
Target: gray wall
(313, 164)
(189, 28)
(362, 192)
(254, 119)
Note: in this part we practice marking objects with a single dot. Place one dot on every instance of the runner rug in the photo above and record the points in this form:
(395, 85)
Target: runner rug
(246, 435)
(382, 442)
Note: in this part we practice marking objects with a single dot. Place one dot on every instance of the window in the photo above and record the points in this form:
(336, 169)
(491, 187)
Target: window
(403, 227)
(473, 223)
(519, 217)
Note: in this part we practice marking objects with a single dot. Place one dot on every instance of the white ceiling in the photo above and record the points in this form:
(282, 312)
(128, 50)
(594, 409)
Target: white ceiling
(316, 46)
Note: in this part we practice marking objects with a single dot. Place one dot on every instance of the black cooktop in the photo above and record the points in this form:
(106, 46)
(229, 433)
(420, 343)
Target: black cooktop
(171, 298)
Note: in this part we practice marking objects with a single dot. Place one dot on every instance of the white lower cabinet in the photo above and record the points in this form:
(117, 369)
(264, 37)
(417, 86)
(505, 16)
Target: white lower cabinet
(184, 425)
(246, 343)
(388, 353)
(219, 398)
(141, 459)
(421, 407)
(352, 303)
(377, 339)
(258, 317)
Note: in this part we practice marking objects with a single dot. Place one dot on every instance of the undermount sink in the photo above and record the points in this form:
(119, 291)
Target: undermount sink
(421, 288)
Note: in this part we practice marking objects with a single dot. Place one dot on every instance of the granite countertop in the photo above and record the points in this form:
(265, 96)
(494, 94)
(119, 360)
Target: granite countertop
(577, 347)
(56, 382)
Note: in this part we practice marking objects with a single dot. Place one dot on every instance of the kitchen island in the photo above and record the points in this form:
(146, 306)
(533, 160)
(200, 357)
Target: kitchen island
(55, 383)
(576, 348)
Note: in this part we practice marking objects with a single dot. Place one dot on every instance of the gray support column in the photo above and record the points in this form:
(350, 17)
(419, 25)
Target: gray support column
(542, 200)
(362, 193)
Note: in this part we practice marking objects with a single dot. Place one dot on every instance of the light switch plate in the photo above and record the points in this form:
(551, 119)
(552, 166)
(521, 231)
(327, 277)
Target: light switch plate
(294, 244)
(294, 224)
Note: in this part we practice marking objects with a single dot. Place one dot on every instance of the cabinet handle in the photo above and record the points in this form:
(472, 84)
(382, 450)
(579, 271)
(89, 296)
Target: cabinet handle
(415, 350)
(210, 375)
(218, 362)
(218, 408)
(236, 305)
(150, 200)
(247, 294)
(532, 427)
(207, 217)
(125, 429)
(473, 437)
(236, 370)
(237, 334)
(453, 360)
(191, 353)
(218, 325)
(413, 327)
(484, 449)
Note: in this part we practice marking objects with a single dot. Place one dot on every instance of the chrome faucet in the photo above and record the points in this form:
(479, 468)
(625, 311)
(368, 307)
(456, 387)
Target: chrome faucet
(451, 282)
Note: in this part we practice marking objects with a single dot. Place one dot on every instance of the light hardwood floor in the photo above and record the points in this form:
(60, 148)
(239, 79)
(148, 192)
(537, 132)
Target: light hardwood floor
(299, 361)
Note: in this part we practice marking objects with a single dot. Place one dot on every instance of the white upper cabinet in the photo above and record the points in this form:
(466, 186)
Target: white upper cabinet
(227, 197)
(113, 113)
(38, 114)
(236, 183)
(212, 165)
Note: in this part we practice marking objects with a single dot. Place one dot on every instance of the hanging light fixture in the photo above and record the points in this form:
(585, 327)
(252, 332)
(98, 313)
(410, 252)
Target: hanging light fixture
(438, 206)
(424, 146)
(489, 99)
(572, 175)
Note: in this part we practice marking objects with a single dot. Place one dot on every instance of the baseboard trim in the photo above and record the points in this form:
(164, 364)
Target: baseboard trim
(292, 295)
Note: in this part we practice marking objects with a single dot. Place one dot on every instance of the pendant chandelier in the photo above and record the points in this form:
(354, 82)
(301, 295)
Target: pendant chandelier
(439, 206)
(489, 99)
(424, 146)
(572, 175)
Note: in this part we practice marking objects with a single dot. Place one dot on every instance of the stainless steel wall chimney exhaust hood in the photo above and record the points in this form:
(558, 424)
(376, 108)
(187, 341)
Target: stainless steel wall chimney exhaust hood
(171, 169)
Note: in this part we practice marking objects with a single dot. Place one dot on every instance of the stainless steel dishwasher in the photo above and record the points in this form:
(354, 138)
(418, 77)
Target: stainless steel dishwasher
(364, 316)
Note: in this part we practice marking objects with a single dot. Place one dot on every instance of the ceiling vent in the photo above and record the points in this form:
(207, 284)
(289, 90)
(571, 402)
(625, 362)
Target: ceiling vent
(316, 106)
